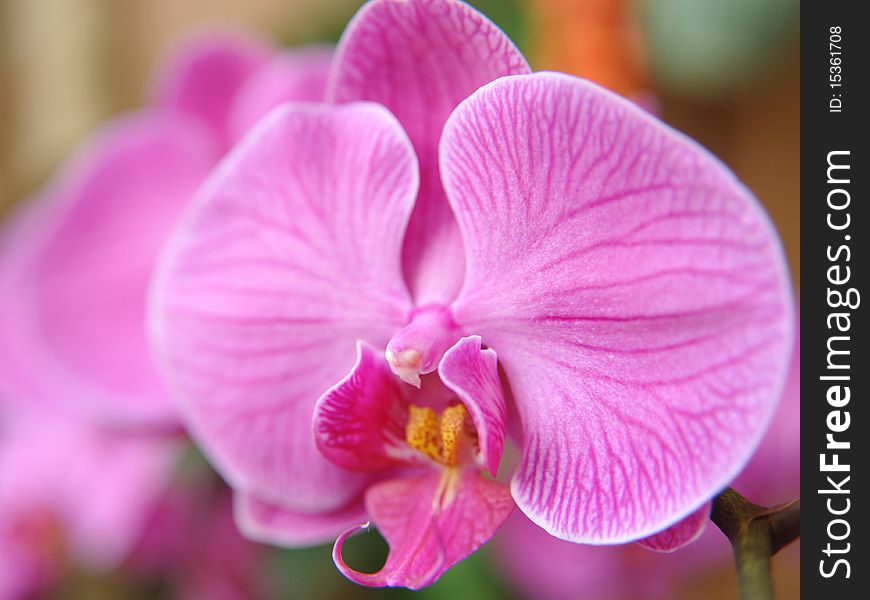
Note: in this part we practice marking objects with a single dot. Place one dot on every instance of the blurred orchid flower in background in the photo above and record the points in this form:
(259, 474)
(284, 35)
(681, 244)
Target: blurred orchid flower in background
(86, 444)
(72, 493)
(191, 539)
(538, 251)
(75, 261)
(543, 567)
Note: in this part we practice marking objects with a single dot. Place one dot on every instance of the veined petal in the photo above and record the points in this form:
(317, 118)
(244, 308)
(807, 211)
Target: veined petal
(75, 264)
(203, 75)
(431, 522)
(636, 295)
(270, 524)
(680, 534)
(420, 58)
(359, 424)
(298, 74)
(472, 373)
(289, 256)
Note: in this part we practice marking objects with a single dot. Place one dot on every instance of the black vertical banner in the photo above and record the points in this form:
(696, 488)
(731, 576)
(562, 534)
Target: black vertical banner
(835, 191)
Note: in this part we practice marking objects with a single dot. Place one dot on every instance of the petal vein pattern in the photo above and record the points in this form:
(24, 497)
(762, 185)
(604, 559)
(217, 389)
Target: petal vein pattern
(420, 58)
(636, 296)
(289, 256)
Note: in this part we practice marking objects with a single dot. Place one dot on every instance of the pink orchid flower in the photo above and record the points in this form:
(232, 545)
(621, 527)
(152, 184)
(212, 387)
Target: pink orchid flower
(537, 250)
(546, 568)
(75, 261)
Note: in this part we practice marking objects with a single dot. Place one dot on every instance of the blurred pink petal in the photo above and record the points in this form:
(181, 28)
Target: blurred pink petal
(420, 58)
(76, 263)
(70, 491)
(204, 74)
(431, 522)
(297, 74)
(271, 524)
(76, 260)
(543, 567)
(74, 268)
(636, 295)
(192, 540)
(290, 257)
(230, 79)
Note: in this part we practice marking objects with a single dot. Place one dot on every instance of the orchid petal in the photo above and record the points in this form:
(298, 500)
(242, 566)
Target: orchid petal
(75, 266)
(636, 295)
(299, 74)
(431, 522)
(289, 256)
(270, 524)
(682, 533)
(203, 76)
(359, 424)
(472, 373)
(420, 58)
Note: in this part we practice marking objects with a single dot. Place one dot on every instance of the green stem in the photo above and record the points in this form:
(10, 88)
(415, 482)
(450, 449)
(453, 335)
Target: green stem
(756, 533)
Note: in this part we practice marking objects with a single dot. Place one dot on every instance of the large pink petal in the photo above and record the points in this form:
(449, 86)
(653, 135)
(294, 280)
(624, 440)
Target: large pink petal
(431, 522)
(420, 58)
(359, 424)
(203, 75)
(267, 523)
(682, 533)
(75, 266)
(298, 74)
(290, 255)
(472, 372)
(635, 293)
